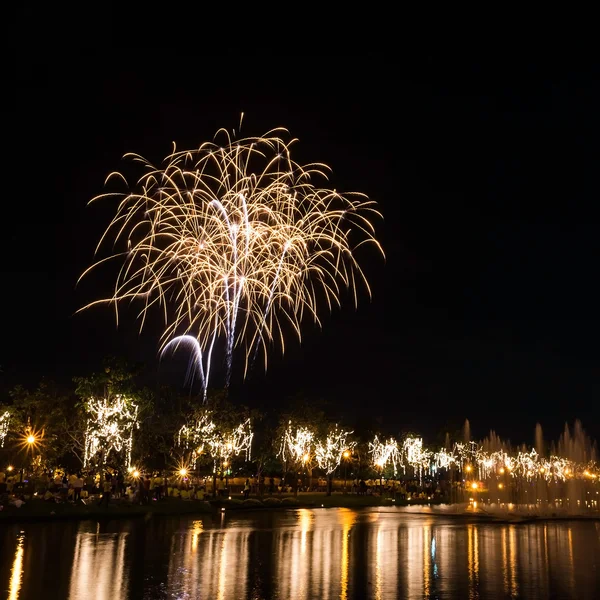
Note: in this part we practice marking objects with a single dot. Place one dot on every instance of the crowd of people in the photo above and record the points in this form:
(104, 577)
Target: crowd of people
(102, 487)
(141, 488)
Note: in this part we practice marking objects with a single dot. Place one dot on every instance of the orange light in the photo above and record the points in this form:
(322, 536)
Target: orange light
(31, 439)
(346, 454)
(500, 486)
(474, 485)
(502, 470)
(468, 468)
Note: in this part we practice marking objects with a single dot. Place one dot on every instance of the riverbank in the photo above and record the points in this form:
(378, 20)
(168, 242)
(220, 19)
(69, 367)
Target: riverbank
(38, 510)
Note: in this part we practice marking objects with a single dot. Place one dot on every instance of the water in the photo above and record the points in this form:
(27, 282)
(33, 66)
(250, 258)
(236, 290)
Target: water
(304, 554)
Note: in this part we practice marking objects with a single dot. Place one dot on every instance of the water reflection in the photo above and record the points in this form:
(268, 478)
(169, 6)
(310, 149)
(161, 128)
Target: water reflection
(98, 565)
(17, 569)
(347, 519)
(208, 563)
(302, 554)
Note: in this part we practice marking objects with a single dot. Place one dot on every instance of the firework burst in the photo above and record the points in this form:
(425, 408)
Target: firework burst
(236, 244)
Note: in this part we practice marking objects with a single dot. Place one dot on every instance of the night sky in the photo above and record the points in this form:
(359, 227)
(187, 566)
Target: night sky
(486, 172)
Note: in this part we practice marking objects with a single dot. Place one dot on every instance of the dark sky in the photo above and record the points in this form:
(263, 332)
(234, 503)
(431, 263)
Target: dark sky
(486, 172)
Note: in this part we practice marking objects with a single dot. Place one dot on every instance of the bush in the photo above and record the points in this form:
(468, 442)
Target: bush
(233, 502)
(252, 502)
(290, 502)
(271, 501)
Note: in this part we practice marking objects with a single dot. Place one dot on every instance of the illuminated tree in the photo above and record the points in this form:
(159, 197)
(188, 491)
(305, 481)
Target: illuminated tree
(112, 407)
(218, 432)
(296, 449)
(384, 454)
(330, 451)
(109, 429)
(4, 425)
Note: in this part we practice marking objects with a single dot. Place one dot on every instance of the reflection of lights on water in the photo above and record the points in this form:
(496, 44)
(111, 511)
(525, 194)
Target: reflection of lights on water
(98, 558)
(512, 549)
(348, 519)
(378, 559)
(473, 557)
(196, 531)
(304, 521)
(222, 570)
(16, 572)
(427, 560)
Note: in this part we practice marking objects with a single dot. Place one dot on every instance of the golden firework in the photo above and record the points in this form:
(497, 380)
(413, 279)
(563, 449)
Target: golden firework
(235, 243)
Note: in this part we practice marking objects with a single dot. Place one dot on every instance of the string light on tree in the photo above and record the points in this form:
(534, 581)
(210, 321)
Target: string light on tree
(204, 437)
(4, 425)
(110, 426)
(296, 444)
(384, 453)
(330, 451)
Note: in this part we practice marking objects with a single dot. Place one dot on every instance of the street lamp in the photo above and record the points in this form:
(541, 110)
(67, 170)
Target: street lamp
(346, 455)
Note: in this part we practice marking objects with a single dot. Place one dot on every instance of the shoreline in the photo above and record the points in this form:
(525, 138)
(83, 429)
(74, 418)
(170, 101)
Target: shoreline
(37, 511)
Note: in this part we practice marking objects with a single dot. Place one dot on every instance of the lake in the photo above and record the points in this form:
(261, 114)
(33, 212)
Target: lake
(300, 554)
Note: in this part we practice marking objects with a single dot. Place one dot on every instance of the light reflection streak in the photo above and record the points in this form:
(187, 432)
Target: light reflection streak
(505, 561)
(223, 570)
(378, 559)
(427, 552)
(414, 562)
(209, 563)
(512, 553)
(196, 531)
(313, 558)
(571, 560)
(473, 558)
(347, 519)
(99, 565)
(16, 572)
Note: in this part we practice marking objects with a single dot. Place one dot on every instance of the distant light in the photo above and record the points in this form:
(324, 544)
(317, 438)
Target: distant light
(31, 439)
(474, 485)
(183, 472)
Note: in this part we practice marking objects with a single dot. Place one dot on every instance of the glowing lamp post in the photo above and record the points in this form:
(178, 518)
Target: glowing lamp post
(346, 457)
(474, 488)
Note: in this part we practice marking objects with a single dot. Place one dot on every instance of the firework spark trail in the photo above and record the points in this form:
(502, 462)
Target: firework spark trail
(236, 243)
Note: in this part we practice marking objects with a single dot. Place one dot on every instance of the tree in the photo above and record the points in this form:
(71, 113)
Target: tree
(217, 432)
(329, 451)
(48, 415)
(113, 407)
